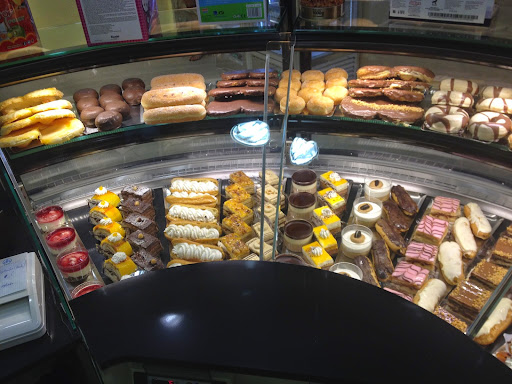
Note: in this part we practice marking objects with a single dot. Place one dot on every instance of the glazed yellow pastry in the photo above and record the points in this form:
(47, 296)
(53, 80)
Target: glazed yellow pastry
(325, 216)
(118, 266)
(115, 243)
(103, 194)
(106, 227)
(235, 248)
(333, 200)
(315, 255)
(326, 239)
(234, 207)
(335, 181)
(235, 224)
(242, 180)
(102, 211)
(239, 194)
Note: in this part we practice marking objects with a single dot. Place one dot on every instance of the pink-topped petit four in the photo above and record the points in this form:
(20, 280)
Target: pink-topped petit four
(431, 230)
(421, 253)
(409, 275)
(402, 295)
(61, 240)
(50, 218)
(445, 207)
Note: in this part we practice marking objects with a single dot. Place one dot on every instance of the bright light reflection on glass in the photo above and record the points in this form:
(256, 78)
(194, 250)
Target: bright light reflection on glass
(251, 133)
(171, 320)
(302, 151)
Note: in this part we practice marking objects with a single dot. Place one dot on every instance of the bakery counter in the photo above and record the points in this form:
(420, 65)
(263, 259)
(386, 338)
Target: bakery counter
(296, 322)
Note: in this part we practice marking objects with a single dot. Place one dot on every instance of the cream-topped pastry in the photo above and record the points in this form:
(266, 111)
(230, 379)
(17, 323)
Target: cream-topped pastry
(377, 188)
(315, 255)
(184, 185)
(367, 212)
(188, 194)
(335, 181)
(325, 216)
(430, 295)
(192, 214)
(326, 239)
(190, 231)
(195, 252)
(103, 194)
(450, 261)
(356, 240)
(464, 237)
(497, 321)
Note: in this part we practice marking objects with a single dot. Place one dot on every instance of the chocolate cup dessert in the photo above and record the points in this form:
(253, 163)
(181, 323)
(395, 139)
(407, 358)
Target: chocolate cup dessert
(297, 233)
(304, 180)
(301, 205)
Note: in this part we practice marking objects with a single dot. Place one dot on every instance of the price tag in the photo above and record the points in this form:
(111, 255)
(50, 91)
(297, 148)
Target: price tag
(459, 11)
(230, 11)
(13, 274)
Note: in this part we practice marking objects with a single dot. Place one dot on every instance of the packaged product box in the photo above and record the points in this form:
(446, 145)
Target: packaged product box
(119, 21)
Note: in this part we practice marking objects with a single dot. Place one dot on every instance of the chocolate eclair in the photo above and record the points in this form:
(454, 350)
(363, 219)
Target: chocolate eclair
(381, 260)
(391, 236)
(404, 201)
(395, 216)
(366, 266)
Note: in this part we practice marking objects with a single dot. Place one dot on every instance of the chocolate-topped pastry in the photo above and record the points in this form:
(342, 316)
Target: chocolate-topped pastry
(273, 82)
(86, 102)
(140, 193)
(381, 260)
(88, 116)
(488, 273)
(133, 95)
(395, 216)
(234, 75)
(110, 88)
(231, 83)
(233, 107)
(406, 72)
(468, 299)
(223, 93)
(108, 120)
(403, 95)
(132, 204)
(391, 236)
(119, 106)
(395, 84)
(372, 108)
(136, 221)
(260, 73)
(366, 266)
(144, 241)
(109, 97)
(85, 92)
(404, 201)
(133, 82)
(365, 92)
(147, 261)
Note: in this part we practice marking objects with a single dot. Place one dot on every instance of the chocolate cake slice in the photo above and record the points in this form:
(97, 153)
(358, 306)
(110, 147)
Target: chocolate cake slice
(144, 241)
(136, 221)
(147, 261)
(133, 205)
(139, 193)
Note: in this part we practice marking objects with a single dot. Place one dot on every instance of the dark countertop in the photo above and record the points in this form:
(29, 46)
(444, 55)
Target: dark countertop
(279, 320)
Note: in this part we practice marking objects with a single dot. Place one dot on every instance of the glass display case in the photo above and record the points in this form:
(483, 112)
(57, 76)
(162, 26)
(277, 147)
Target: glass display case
(358, 169)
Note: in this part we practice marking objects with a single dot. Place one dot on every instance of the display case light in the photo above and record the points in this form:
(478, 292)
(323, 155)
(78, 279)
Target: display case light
(251, 133)
(302, 151)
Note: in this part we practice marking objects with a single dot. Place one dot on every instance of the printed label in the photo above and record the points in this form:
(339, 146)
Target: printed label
(462, 11)
(230, 11)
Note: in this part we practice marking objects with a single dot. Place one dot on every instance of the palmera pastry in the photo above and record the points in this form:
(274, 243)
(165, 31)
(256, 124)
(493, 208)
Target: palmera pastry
(115, 243)
(192, 251)
(295, 107)
(320, 106)
(497, 322)
(27, 112)
(479, 223)
(60, 130)
(31, 99)
(106, 227)
(234, 246)
(46, 117)
(118, 265)
(197, 213)
(234, 224)
(464, 237)
(174, 114)
(233, 207)
(20, 138)
(103, 194)
(200, 185)
(102, 211)
(204, 233)
(430, 295)
(239, 194)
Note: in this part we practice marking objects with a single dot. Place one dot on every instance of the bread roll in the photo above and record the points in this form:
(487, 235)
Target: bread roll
(295, 74)
(317, 84)
(179, 80)
(174, 114)
(157, 98)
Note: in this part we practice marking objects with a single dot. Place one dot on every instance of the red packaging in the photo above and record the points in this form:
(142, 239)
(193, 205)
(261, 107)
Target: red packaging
(17, 28)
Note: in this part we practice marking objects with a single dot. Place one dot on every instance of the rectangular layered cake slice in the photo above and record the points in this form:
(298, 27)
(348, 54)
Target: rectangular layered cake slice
(335, 181)
(239, 194)
(329, 197)
(136, 221)
(502, 253)
(234, 224)
(409, 275)
(139, 193)
(134, 205)
(268, 233)
(254, 246)
(488, 273)
(233, 207)
(451, 319)
(315, 255)
(326, 239)
(147, 261)
(234, 246)
(431, 230)
(421, 253)
(468, 298)
(243, 180)
(325, 216)
(445, 208)
(144, 241)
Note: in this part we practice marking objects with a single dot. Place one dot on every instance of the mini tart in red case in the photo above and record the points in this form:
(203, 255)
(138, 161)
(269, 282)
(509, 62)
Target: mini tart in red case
(61, 239)
(75, 265)
(50, 218)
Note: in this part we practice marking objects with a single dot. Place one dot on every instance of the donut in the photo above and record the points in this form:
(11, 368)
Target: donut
(110, 88)
(308, 93)
(403, 95)
(133, 95)
(119, 106)
(341, 82)
(282, 92)
(336, 93)
(133, 82)
(495, 105)
(465, 86)
(413, 73)
(295, 107)
(336, 73)
(318, 84)
(86, 102)
(446, 119)
(312, 74)
(490, 92)
(85, 92)
(365, 92)
(374, 72)
(88, 116)
(295, 74)
(109, 97)
(294, 85)
(320, 105)
(489, 126)
(454, 98)
(108, 120)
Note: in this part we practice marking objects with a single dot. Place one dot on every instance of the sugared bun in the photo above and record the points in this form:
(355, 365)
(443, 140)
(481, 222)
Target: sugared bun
(336, 73)
(308, 93)
(108, 120)
(86, 102)
(133, 95)
(109, 97)
(296, 106)
(133, 82)
(281, 92)
(85, 92)
(110, 88)
(88, 116)
(320, 105)
(119, 106)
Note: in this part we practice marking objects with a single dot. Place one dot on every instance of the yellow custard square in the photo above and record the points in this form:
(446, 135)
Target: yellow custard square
(339, 183)
(243, 180)
(326, 216)
(331, 197)
(239, 194)
(316, 255)
(236, 208)
(326, 239)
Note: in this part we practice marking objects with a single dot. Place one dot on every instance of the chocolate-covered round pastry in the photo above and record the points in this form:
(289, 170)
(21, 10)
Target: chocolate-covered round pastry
(133, 82)
(133, 95)
(119, 106)
(110, 88)
(85, 92)
(110, 97)
(88, 115)
(86, 102)
(108, 120)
